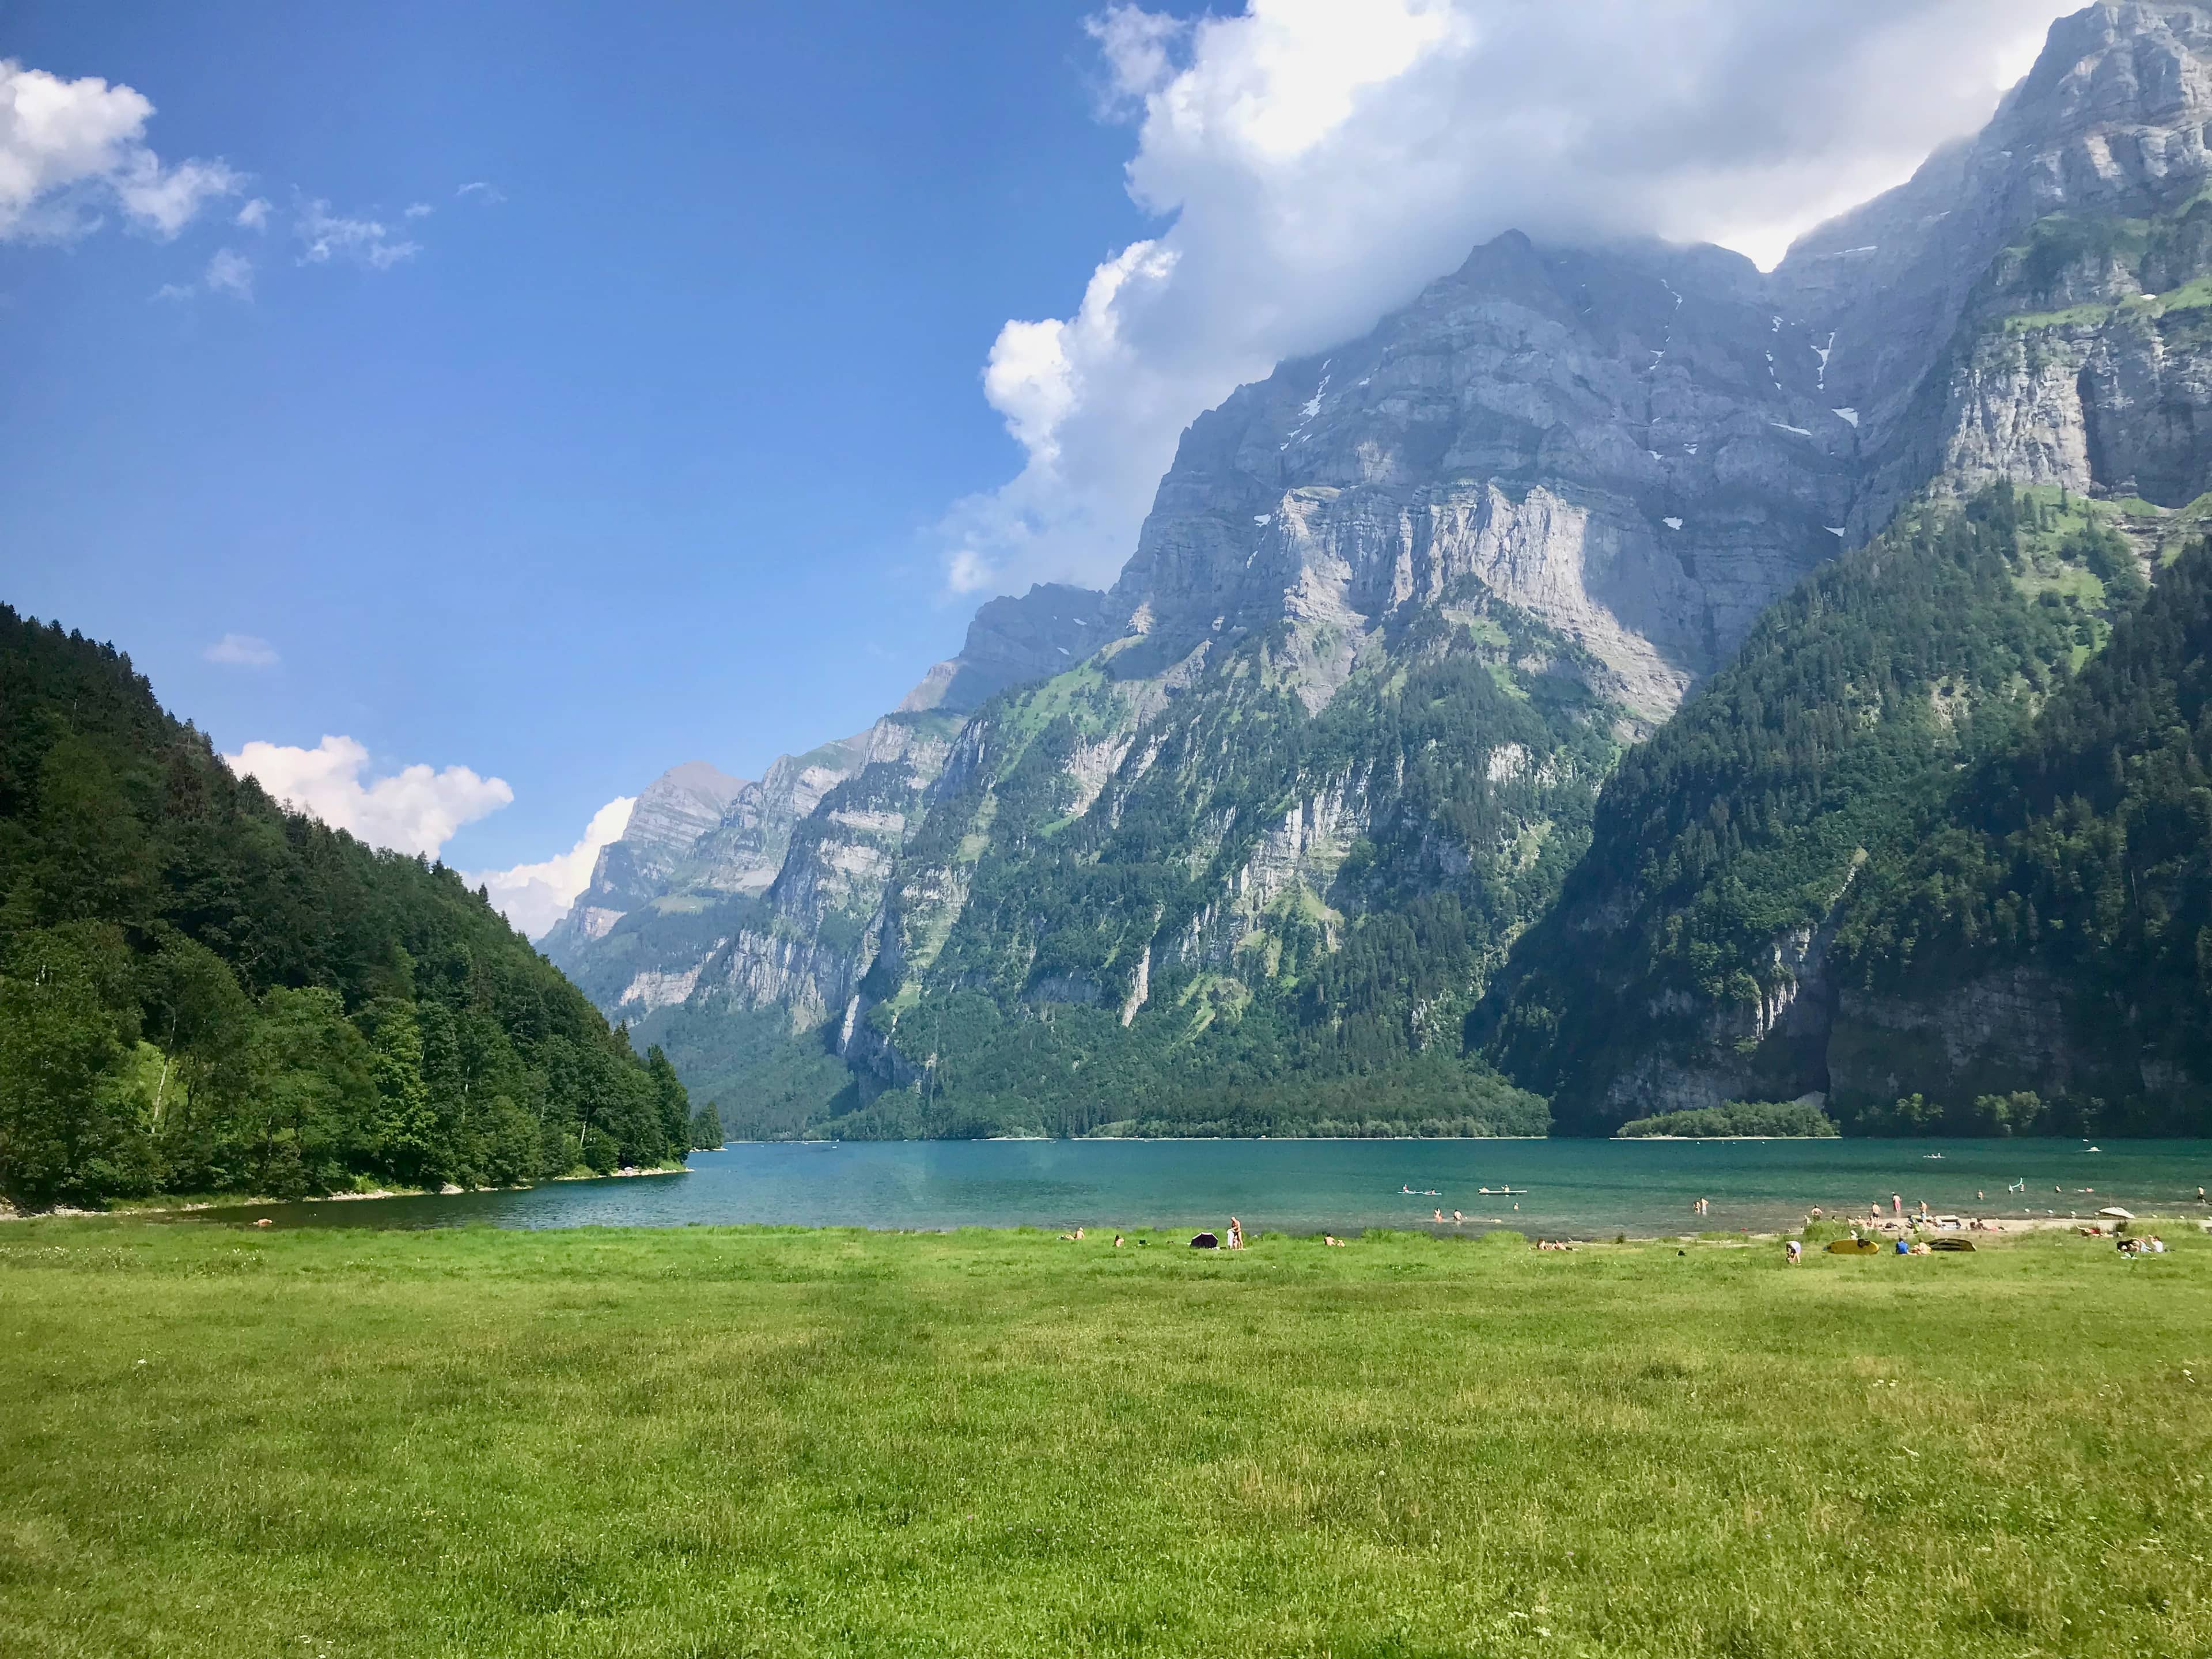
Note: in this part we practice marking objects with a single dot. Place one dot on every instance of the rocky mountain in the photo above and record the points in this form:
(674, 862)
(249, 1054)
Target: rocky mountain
(675, 811)
(1296, 800)
(1690, 962)
(1691, 957)
(2110, 123)
(676, 887)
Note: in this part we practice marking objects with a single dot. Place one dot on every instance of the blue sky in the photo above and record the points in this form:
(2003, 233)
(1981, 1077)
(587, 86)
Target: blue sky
(599, 387)
(628, 467)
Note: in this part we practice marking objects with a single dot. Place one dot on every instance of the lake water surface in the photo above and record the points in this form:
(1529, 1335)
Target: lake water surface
(1571, 1187)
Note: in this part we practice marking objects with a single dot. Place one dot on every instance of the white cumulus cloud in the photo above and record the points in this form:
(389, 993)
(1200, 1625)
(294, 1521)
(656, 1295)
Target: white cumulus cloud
(228, 272)
(242, 651)
(69, 149)
(231, 272)
(533, 896)
(413, 809)
(166, 199)
(1315, 162)
(254, 216)
(325, 236)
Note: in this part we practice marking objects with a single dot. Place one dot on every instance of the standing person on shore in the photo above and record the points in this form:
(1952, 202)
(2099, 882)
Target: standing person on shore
(1236, 1234)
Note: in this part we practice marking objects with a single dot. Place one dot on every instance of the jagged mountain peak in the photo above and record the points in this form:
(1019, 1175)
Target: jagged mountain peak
(672, 812)
(2112, 118)
(700, 778)
(1013, 640)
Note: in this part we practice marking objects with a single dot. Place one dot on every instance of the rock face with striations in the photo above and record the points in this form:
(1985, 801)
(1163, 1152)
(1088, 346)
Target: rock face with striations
(700, 844)
(2110, 123)
(675, 810)
(1632, 445)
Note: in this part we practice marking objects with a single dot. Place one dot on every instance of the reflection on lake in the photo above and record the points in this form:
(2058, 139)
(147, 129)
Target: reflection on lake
(1582, 1187)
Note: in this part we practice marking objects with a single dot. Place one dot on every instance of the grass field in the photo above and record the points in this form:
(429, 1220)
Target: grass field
(710, 1441)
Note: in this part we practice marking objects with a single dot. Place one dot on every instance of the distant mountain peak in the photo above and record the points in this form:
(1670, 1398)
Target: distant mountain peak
(700, 778)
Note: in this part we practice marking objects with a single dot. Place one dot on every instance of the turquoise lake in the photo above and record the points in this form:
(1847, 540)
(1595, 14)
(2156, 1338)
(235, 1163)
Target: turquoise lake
(1585, 1187)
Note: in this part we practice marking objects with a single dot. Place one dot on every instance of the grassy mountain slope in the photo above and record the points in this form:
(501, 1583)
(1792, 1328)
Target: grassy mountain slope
(1236, 915)
(201, 991)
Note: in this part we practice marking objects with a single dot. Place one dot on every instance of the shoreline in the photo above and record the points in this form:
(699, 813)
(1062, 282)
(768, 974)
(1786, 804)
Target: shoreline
(1473, 1231)
(189, 1206)
(1556, 1209)
(1451, 1140)
(1695, 1140)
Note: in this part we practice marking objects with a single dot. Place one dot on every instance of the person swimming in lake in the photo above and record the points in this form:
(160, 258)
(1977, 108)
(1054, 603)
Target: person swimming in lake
(1439, 1216)
(1457, 1218)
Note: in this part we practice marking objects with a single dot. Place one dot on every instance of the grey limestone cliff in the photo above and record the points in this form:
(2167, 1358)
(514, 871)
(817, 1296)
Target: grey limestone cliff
(2111, 122)
(672, 814)
(1632, 445)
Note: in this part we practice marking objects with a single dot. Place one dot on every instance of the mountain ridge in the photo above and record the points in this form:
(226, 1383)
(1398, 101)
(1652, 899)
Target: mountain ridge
(1588, 471)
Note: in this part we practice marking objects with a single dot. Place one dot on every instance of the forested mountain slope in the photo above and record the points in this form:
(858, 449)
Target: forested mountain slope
(2049, 934)
(1687, 961)
(200, 991)
(1691, 960)
(1900, 855)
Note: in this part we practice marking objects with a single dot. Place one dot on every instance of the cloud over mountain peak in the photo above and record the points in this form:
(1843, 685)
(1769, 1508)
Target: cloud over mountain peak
(1317, 162)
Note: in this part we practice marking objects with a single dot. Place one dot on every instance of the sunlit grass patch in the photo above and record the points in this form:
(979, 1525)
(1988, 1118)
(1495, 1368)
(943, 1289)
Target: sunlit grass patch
(775, 1440)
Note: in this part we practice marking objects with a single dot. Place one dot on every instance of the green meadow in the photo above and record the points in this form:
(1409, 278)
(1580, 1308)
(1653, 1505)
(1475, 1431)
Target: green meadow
(761, 1442)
